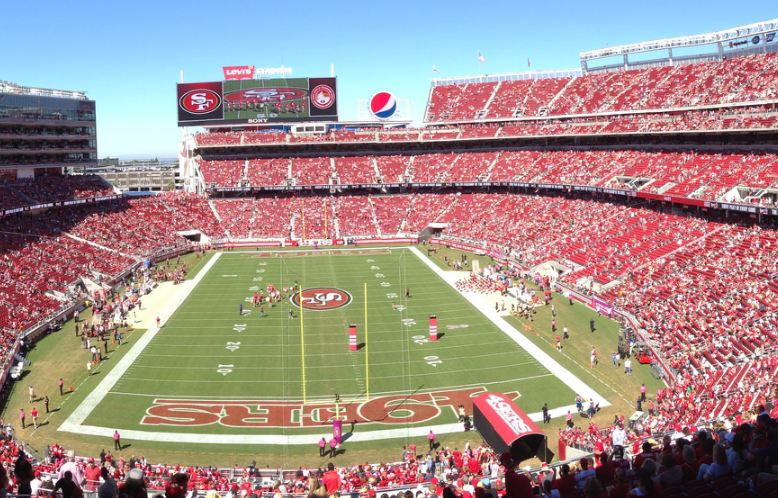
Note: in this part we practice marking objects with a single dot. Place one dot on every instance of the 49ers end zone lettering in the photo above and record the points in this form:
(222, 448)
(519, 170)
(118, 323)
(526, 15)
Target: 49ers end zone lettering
(321, 298)
(398, 410)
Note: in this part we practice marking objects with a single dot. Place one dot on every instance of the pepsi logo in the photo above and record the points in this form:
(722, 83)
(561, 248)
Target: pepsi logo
(322, 96)
(200, 101)
(383, 105)
(321, 298)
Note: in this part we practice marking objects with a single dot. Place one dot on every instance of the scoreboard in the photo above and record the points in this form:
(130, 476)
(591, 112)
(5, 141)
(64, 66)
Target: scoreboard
(246, 102)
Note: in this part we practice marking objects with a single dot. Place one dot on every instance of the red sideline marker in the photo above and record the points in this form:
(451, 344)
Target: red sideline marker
(352, 337)
(433, 328)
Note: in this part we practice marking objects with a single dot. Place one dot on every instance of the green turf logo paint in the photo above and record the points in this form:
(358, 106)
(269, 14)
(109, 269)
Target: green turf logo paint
(322, 298)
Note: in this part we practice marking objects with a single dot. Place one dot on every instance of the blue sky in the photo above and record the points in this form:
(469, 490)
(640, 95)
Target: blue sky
(127, 55)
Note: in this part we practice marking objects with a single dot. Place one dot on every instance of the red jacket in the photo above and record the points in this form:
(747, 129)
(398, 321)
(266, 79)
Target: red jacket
(331, 481)
(517, 485)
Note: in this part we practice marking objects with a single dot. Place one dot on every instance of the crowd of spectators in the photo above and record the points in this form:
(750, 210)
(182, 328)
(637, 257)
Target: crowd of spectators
(428, 473)
(692, 174)
(751, 117)
(732, 458)
(16, 193)
(41, 255)
(733, 80)
(704, 291)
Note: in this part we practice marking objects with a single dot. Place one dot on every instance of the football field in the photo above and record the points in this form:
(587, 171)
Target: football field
(216, 374)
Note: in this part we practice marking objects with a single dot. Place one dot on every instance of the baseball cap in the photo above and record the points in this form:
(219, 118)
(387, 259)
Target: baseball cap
(135, 474)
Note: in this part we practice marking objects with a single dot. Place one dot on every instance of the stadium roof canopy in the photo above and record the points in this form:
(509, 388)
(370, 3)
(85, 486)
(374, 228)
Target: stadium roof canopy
(13, 88)
(748, 30)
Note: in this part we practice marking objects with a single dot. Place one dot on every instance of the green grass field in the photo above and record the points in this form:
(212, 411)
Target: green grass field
(208, 351)
(300, 85)
(223, 378)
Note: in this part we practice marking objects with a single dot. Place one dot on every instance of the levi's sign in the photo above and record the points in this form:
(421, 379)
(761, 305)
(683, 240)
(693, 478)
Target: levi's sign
(238, 72)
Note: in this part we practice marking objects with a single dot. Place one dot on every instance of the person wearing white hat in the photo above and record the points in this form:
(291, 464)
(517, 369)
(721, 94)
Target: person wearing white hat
(546, 474)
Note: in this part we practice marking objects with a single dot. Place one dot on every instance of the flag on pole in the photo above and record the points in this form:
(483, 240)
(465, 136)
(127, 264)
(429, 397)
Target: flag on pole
(434, 68)
(529, 63)
(481, 58)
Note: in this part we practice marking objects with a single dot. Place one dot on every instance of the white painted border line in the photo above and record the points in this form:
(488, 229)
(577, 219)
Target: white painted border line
(77, 417)
(563, 374)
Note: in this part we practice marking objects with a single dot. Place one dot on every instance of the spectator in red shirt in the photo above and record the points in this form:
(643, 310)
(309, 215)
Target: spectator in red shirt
(604, 473)
(646, 454)
(516, 485)
(178, 486)
(331, 479)
(92, 475)
(565, 483)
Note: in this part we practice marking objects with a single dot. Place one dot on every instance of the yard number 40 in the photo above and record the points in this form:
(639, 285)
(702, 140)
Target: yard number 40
(433, 361)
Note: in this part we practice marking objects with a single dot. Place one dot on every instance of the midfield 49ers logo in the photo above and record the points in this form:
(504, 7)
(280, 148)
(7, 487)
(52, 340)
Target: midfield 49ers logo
(321, 298)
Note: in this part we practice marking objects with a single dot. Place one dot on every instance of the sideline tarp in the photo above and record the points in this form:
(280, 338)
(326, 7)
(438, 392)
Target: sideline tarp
(505, 427)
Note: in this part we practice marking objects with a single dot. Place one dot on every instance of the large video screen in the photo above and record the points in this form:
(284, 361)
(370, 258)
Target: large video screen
(257, 101)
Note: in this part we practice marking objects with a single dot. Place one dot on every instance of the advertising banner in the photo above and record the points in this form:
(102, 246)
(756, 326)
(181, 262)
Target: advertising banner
(238, 72)
(602, 307)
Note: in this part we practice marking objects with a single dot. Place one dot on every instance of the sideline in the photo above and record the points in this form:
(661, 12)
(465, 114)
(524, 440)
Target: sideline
(77, 417)
(563, 374)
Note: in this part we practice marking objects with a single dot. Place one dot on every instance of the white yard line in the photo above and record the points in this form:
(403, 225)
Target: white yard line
(563, 374)
(77, 417)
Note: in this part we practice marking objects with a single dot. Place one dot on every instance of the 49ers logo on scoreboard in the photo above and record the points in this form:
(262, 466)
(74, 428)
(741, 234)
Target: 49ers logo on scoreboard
(321, 298)
(200, 101)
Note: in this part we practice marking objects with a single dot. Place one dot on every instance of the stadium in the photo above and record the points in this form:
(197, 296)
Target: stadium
(562, 276)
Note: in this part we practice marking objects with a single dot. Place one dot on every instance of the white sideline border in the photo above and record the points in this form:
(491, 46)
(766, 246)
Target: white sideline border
(560, 372)
(75, 422)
